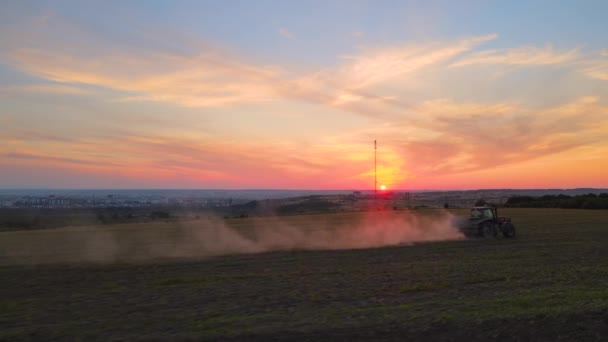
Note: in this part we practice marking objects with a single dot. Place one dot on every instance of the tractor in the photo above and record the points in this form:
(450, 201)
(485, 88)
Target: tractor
(484, 222)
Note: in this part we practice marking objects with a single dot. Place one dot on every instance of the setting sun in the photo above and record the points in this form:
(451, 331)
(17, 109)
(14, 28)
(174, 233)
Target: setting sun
(382, 187)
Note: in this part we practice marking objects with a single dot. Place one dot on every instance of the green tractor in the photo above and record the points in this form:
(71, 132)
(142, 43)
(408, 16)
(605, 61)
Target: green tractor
(484, 222)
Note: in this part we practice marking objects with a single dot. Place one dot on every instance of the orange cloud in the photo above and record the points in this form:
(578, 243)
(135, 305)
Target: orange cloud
(347, 86)
(170, 159)
(205, 80)
(44, 88)
(462, 151)
(597, 68)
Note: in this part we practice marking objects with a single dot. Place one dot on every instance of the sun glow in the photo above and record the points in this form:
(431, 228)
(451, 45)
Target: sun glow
(382, 187)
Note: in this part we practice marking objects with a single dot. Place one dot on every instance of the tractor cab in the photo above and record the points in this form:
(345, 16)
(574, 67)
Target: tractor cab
(483, 213)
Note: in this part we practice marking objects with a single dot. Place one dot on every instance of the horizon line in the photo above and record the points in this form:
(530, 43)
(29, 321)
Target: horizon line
(291, 189)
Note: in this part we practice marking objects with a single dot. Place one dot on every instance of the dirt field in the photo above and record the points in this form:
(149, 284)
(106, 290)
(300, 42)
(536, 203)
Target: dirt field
(551, 283)
(213, 236)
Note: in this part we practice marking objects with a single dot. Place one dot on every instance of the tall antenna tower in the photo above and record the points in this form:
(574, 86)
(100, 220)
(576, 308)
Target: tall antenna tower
(375, 171)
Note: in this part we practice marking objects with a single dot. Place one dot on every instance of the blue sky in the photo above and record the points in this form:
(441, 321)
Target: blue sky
(323, 29)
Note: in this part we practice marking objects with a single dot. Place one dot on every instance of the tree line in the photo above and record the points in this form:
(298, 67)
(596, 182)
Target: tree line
(586, 201)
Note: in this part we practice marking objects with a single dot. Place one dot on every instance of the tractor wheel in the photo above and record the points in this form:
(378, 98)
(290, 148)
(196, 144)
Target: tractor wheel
(488, 230)
(508, 230)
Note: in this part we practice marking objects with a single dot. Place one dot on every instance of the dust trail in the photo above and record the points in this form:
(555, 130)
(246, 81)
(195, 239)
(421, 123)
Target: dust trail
(213, 236)
(374, 229)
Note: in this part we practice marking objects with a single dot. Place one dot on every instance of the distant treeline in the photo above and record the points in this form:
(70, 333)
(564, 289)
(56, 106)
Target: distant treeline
(588, 201)
(304, 204)
(23, 219)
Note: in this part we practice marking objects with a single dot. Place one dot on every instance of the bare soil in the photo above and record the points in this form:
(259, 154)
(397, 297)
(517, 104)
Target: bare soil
(551, 283)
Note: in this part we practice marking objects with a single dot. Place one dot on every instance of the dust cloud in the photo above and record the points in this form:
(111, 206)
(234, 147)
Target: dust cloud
(213, 236)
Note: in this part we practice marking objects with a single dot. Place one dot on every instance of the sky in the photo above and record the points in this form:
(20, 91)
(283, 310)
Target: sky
(292, 94)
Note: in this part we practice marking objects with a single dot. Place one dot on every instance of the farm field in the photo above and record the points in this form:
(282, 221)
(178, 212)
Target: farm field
(131, 282)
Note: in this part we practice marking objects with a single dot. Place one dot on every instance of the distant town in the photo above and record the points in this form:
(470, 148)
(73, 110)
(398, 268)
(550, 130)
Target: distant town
(201, 199)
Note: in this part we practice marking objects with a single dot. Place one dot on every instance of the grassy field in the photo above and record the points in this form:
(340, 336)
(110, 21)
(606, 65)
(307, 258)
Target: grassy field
(551, 283)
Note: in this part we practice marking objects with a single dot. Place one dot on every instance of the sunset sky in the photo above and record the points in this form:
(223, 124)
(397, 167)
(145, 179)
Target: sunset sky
(292, 94)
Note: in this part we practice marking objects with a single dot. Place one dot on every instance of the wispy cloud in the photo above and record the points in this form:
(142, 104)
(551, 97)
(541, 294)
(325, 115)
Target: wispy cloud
(209, 79)
(445, 137)
(597, 68)
(522, 56)
(467, 137)
(196, 75)
(348, 85)
(381, 64)
(44, 88)
(285, 33)
(454, 137)
(39, 158)
(599, 71)
(188, 161)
